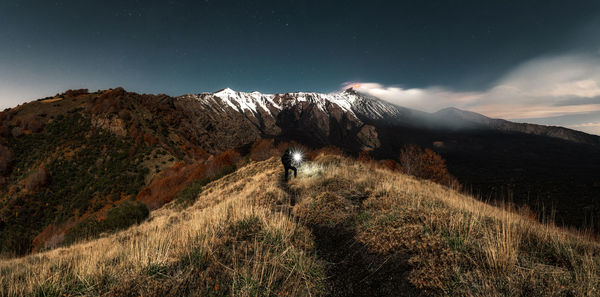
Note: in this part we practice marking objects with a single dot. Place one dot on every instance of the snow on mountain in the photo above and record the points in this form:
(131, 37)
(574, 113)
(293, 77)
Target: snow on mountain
(264, 110)
(349, 101)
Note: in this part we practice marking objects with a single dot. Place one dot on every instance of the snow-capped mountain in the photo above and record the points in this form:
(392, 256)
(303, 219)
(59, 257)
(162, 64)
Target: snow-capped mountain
(311, 117)
(350, 117)
(255, 102)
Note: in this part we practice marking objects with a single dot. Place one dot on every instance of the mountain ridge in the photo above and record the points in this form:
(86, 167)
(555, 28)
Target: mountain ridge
(375, 109)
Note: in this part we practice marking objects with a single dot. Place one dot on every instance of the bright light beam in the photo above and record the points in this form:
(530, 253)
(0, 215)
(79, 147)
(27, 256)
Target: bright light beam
(297, 156)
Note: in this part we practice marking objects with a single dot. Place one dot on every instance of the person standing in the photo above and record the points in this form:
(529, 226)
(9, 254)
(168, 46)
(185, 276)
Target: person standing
(286, 160)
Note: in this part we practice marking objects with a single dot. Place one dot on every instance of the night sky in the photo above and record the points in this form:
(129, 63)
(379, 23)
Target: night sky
(455, 53)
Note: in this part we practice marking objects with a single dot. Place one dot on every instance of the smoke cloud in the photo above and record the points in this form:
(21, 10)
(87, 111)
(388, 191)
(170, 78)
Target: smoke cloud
(557, 88)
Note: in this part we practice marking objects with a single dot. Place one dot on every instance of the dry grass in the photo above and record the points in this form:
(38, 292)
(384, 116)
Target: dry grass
(459, 245)
(51, 100)
(227, 244)
(242, 238)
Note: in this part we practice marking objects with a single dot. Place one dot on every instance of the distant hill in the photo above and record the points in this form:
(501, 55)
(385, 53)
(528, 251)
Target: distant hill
(72, 158)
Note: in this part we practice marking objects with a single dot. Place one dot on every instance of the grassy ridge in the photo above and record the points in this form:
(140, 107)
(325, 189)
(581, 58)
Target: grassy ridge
(341, 228)
(458, 246)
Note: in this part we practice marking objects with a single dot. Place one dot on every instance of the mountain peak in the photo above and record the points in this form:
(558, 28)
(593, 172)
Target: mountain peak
(225, 91)
(351, 90)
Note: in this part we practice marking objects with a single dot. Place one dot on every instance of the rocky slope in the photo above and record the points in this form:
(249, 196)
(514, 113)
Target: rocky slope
(318, 119)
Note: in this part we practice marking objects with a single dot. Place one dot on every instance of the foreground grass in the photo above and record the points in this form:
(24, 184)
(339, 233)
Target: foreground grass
(250, 234)
(459, 246)
(230, 246)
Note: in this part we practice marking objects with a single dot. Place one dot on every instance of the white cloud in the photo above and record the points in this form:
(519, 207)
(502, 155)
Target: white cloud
(429, 99)
(543, 87)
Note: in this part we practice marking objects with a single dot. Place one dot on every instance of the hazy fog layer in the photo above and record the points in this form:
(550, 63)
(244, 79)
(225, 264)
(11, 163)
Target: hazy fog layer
(559, 90)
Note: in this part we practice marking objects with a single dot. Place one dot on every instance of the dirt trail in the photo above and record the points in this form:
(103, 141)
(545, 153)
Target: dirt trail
(354, 271)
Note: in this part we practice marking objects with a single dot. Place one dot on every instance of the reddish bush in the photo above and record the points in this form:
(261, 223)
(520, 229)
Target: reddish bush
(388, 164)
(227, 158)
(365, 157)
(425, 164)
(262, 149)
(165, 185)
(434, 167)
(170, 181)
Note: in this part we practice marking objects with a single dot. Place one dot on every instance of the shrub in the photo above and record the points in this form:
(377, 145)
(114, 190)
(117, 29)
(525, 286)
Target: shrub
(227, 158)
(37, 179)
(125, 115)
(118, 218)
(75, 93)
(4, 131)
(85, 229)
(16, 132)
(410, 160)
(365, 157)
(34, 124)
(388, 164)
(6, 157)
(168, 183)
(126, 214)
(425, 164)
(188, 195)
(262, 149)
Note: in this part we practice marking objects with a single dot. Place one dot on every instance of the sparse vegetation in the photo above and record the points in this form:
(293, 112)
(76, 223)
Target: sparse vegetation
(58, 172)
(171, 181)
(356, 228)
(188, 195)
(226, 244)
(118, 218)
(426, 164)
(262, 149)
(457, 246)
(6, 158)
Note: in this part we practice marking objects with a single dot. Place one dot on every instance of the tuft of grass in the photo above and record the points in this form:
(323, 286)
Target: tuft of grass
(156, 270)
(196, 258)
